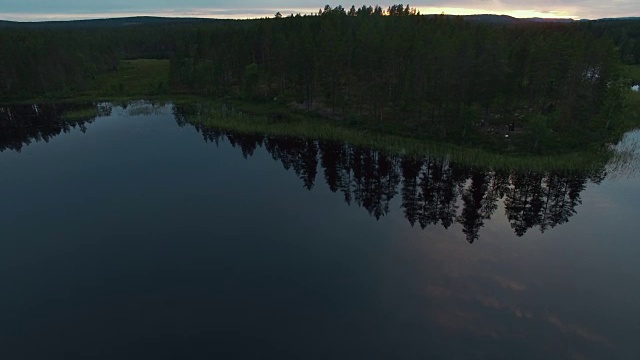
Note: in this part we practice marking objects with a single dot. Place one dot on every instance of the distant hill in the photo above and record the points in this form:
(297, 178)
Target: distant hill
(505, 19)
(550, 20)
(493, 19)
(114, 22)
(621, 18)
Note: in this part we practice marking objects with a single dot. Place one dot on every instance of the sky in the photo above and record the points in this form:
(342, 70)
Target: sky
(40, 10)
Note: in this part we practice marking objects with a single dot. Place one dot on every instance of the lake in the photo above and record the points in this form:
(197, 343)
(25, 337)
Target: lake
(127, 233)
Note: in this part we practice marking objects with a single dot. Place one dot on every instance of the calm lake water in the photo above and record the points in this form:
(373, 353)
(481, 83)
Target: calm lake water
(135, 235)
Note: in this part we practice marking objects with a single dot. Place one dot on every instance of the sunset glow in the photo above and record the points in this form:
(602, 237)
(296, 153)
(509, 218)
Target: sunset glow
(566, 11)
(558, 14)
(261, 13)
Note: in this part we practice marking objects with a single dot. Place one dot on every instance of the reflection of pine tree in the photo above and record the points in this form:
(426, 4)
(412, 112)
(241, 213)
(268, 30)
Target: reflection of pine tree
(440, 184)
(337, 161)
(410, 171)
(472, 217)
(563, 195)
(248, 143)
(299, 154)
(428, 211)
(281, 149)
(332, 159)
(498, 186)
(452, 185)
(20, 125)
(597, 176)
(180, 115)
(309, 164)
(382, 182)
(430, 187)
(376, 179)
(390, 178)
(357, 180)
(523, 204)
(369, 177)
(346, 169)
(212, 135)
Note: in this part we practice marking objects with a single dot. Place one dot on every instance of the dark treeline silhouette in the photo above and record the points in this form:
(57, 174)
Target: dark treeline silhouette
(20, 125)
(431, 191)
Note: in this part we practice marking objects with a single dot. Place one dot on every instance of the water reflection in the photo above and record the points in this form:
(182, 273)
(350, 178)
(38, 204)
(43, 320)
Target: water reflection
(154, 242)
(20, 125)
(432, 191)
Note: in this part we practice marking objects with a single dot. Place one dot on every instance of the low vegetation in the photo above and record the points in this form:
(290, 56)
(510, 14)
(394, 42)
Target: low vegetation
(133, 78)
(295, 124)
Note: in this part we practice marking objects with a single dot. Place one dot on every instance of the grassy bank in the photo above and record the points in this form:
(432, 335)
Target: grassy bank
(245, 120)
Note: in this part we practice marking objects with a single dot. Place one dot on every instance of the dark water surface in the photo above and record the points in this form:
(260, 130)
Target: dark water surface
(131, 237)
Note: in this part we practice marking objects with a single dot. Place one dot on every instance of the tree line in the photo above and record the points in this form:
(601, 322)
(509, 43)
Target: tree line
(436, 76)
(433, 76)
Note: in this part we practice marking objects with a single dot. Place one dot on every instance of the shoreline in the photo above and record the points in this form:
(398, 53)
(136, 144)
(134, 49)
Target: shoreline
(278, 119)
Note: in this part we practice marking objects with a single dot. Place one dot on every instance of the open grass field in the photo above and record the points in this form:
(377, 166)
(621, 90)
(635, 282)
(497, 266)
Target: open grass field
(142, 77)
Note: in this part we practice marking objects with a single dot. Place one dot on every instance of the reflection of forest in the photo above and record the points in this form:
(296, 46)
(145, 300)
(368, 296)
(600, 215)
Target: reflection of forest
(20, 125)
(432, 190)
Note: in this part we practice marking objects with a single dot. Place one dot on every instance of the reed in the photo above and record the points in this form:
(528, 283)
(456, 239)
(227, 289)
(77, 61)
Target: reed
(232, 119)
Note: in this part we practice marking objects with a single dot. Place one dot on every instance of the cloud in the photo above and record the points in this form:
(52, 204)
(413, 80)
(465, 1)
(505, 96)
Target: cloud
(573, 8)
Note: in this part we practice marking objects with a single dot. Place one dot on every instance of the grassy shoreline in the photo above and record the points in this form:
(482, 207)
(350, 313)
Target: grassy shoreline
(297, 125)
(254, 118)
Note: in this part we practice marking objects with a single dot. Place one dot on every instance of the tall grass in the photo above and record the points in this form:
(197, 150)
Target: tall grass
(625, 160)
(291, 124)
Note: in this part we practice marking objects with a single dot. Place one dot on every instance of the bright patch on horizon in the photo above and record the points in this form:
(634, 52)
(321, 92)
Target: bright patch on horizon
(553, 14)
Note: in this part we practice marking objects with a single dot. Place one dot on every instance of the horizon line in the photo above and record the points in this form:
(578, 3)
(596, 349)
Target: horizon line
(73, 17)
